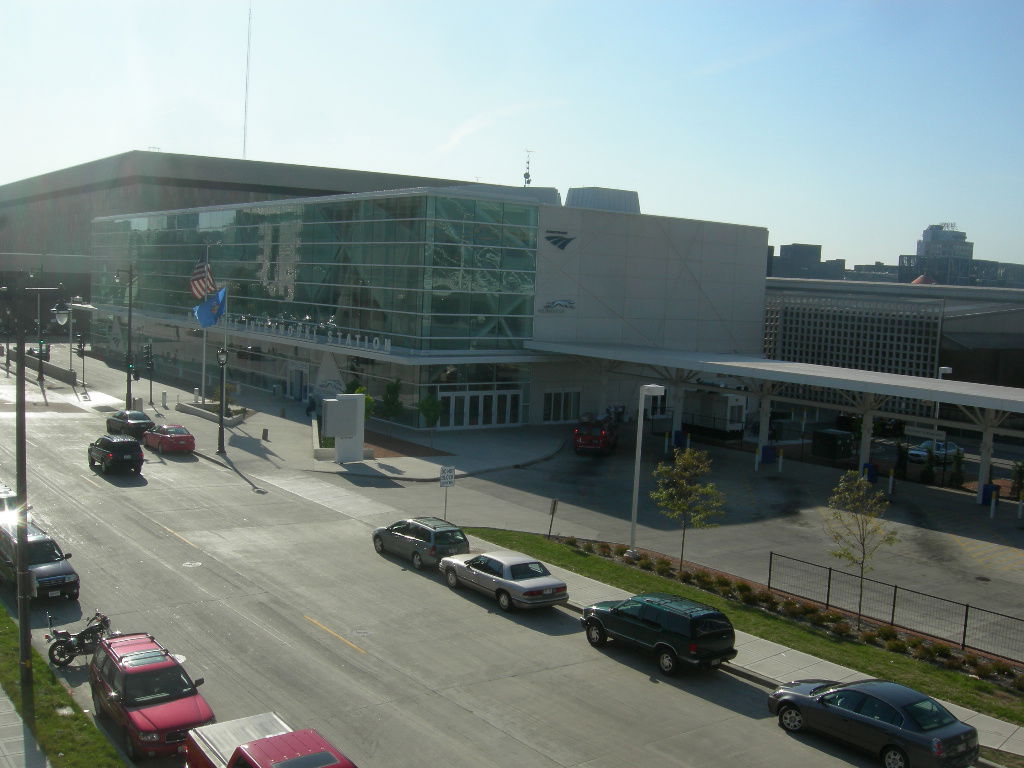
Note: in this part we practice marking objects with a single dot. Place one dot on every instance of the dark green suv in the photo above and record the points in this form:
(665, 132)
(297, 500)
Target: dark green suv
(677, 630)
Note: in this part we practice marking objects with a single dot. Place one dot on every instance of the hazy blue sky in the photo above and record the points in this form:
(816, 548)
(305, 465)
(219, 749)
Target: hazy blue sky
(845, 123)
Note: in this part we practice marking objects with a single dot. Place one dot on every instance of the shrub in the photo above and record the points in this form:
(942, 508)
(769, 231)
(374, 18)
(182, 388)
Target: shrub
(886, 633)
(703, 579)
(604, 548)
(914, 641)
(1001, 667)
(983, 669)
(587, 546)
(645, 562)
(749, 598)
(663, 566)
(1018, 682)
(830, 617)
(570, 541)
(942, 651)
(685, 576)
(896, 646)
(723, 583)
(811, 612)
(841, 628)
(924, 652)
(620, 550)
(970, 659)
(743, 589)
(792, 609)
(766, 598)
(953, 662)
(816, 618)
(869, 637)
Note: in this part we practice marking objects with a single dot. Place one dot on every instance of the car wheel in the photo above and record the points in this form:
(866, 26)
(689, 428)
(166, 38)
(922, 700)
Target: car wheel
(504, 601)
(451, 578)
(791, 719)
(128, 745)
(105, 467)
(596, 635)
(92, 462)
(417, 561)
(894, 757)
(97, 705)
(137, 469)
(160, 448)
(667, 661)
(378, 544)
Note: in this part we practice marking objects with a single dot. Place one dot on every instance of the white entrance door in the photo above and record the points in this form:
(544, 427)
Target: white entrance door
(462, 410)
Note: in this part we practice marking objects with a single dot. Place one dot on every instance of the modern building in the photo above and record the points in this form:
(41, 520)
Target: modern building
(803, 260)
(442, 289)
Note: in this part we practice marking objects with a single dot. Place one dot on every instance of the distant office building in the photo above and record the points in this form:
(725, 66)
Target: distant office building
(874, 273)
(803, 260)
(944, 241)
(944, 256)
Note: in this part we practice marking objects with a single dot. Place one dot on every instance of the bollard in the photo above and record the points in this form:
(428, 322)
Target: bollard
(992, 507)
(163, 398)
(780, 459)
(266, 434)
(892, 476)
(195, 394)
(282, 413)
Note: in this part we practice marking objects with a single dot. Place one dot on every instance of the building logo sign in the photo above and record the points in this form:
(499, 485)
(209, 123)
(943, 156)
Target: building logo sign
(558, 239)
(559, 305)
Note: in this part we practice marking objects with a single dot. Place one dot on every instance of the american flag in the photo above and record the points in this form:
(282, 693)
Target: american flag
(202, 282)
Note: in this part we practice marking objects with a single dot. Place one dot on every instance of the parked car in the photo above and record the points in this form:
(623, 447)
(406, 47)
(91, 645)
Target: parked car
(677, 630)
(942, 451)
(424, 540)
(54, 576)
(513, 579)
(132, 423)
(898, 724)
(148, 696)
(116, 452)
(169, 437)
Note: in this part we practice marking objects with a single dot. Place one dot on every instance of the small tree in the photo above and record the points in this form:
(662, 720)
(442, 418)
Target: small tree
(855, 524)
(1017, 473)
(430, 409)
(682, 496)
(956, 474)
(390, 406)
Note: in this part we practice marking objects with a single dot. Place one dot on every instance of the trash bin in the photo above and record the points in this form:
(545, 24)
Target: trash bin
(870, 471)
(767, 453)
(987, 492)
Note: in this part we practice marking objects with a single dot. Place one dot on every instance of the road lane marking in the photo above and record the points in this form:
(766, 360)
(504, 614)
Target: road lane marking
(178, 536)
(332, 632)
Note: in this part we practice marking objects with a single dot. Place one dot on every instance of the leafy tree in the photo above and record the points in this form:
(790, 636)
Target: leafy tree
(902, 457)
(855, 525)
(390, 405)
(682, 496)
(927, 475)
(1017, 473)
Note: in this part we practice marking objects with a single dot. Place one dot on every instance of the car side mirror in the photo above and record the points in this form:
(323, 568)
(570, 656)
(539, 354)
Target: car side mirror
(198, 681)
(114, 696)
(67, 555)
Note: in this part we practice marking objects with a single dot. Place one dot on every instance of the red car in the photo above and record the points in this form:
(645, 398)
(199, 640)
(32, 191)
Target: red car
(148, 696)
(169, 437)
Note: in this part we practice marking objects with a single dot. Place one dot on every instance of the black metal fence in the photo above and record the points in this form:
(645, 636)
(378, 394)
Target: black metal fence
(965, 625)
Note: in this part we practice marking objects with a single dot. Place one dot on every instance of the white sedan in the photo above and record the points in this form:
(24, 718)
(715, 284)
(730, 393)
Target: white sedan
(942, 452)
(513, 579)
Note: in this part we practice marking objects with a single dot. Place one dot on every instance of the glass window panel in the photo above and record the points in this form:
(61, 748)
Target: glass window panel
(482, 280)
(449, 303)
(445, 279)
(444, 232)
(522, 215)
(483, 258)
(486, 234)
(409, 230)
(445, 255)
(513, 304)
(454, 208)
(489, 212)
(517, 282)
(483, 303)
(516, 259)
(408, 277)
(517, 327)
(519, 237)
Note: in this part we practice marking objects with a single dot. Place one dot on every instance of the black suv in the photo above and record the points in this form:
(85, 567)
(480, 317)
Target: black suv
(676, 629)
(116, 452)
(424, 540)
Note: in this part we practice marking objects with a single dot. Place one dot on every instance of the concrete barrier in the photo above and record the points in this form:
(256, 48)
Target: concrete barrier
(232, 421)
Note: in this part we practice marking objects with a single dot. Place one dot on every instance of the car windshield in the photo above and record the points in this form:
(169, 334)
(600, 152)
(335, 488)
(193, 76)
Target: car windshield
(43, 551)
(450, 537)
(136, 416)
(175, 431)
(521, 571)
(153, 686)
(928, 714)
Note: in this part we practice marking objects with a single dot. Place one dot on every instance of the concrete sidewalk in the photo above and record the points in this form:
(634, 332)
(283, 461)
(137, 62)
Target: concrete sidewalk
(278, 436)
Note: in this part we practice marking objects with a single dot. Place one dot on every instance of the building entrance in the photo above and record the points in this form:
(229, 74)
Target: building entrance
(460, 410)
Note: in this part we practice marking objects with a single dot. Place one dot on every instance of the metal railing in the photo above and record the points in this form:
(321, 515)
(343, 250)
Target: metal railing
(965, 625)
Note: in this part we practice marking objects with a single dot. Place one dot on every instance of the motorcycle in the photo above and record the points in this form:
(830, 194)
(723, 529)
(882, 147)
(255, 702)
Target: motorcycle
(66, 646)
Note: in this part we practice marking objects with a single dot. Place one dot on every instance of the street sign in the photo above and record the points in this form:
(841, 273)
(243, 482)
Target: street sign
(447, 477)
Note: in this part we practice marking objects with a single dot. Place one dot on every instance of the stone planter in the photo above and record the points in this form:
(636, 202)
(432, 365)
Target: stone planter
(198, 410)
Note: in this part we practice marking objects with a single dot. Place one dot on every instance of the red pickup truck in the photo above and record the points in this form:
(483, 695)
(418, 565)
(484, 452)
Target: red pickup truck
(595, 435)
(259, 741)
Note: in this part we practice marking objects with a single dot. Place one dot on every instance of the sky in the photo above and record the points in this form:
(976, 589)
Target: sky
(845, 123)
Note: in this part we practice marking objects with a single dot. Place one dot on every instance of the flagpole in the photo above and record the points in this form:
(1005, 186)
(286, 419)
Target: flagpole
(202, 383)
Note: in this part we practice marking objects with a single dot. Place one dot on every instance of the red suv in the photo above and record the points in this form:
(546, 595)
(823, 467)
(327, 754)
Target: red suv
(147, 694)
(593, 435)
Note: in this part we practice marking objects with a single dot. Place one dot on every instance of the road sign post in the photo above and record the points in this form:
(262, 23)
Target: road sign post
(447, 478)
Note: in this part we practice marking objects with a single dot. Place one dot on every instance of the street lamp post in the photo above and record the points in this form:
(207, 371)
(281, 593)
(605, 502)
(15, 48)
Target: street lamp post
(39, 324)
(222, 360)
(62, 314)
(129, 359)
(24, 576)
(652, 390)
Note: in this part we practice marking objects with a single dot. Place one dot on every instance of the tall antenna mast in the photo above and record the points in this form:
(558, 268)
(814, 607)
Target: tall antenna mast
(245, 119)
(526, 176)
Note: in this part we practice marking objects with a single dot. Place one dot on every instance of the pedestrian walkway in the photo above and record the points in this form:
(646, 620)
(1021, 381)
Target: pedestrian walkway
(275, 442)
(18, 747)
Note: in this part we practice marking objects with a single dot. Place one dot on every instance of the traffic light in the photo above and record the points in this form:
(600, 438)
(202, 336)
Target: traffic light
(130, 362)
(147, 356)
(81, 345)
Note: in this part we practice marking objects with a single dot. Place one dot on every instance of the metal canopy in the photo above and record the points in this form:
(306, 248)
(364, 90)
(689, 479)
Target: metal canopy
(964, 393)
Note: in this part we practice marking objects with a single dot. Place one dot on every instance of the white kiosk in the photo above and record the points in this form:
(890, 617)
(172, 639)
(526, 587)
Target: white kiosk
(345, 421)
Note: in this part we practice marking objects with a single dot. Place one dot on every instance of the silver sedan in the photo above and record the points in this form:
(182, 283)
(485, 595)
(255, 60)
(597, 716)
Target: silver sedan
(513, 579)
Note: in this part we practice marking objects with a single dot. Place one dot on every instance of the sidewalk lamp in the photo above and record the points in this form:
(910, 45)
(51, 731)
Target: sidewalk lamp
(62, 314)
(129, 361)
(646, 390)
(222, 361)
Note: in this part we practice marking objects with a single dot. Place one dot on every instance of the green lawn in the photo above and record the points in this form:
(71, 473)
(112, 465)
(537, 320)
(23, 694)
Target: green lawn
(980, 695)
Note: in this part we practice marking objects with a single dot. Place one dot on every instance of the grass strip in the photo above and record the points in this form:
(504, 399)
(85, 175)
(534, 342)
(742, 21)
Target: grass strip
(979, 695)
(69, 740)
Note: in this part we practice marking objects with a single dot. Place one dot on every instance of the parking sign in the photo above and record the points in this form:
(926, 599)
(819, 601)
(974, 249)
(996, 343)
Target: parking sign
(447, 477)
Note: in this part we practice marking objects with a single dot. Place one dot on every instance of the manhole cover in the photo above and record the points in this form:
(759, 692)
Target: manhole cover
(982, 578)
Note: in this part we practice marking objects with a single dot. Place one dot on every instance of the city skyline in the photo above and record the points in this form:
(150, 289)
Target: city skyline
(850, 125)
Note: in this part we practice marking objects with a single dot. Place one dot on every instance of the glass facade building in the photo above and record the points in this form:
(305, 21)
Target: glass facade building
(387, 282)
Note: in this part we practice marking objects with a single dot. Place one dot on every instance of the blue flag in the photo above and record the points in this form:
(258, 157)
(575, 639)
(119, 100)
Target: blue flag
(209, 312)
